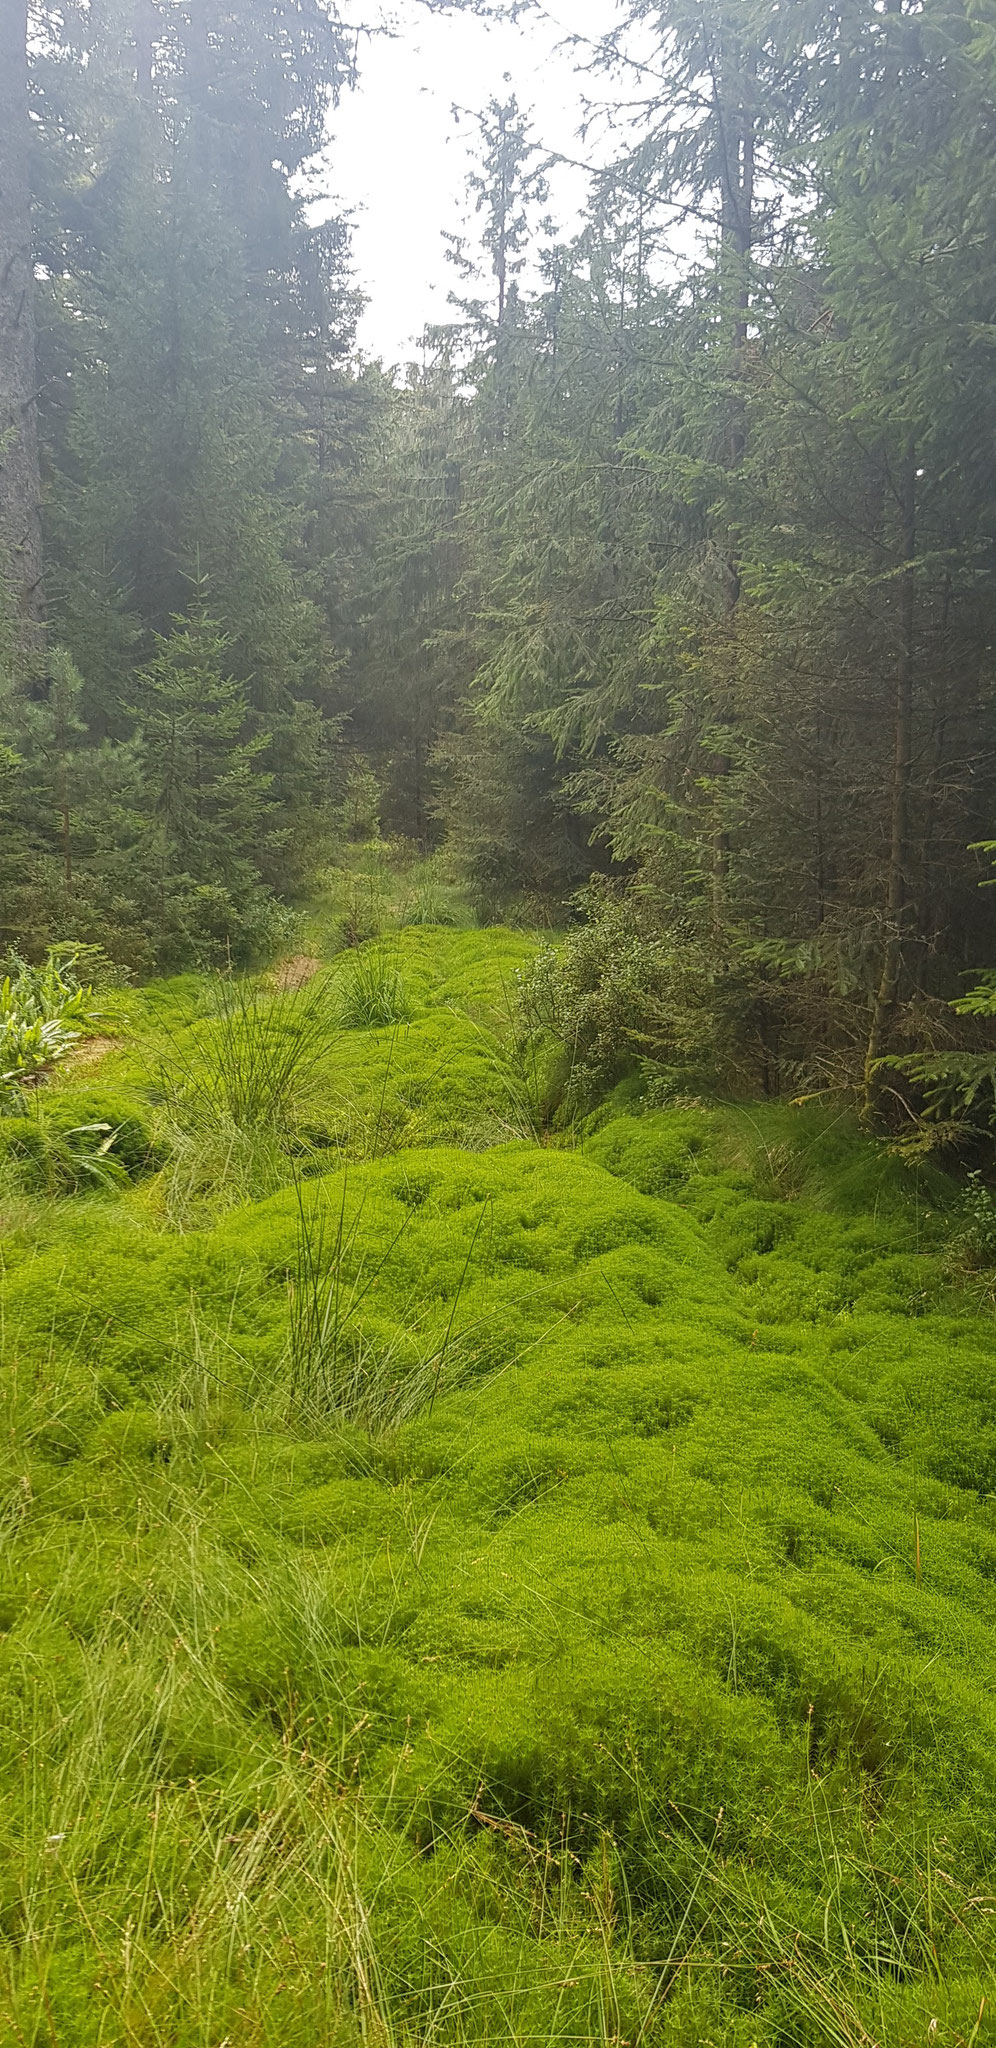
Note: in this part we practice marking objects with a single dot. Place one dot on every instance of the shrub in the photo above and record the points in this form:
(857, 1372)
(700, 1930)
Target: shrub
(975, 1237)
(957, 1085)
(624, 992)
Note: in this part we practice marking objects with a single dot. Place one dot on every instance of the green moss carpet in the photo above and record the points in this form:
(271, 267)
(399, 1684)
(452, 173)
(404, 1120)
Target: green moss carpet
(460, 1588)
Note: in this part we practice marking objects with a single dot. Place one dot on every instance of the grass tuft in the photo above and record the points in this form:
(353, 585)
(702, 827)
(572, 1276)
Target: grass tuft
(373, 994)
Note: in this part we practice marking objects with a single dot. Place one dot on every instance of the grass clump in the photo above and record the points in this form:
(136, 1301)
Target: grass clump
(373, 994)
(251, 1059)
(234, 1067)
(77, 1140)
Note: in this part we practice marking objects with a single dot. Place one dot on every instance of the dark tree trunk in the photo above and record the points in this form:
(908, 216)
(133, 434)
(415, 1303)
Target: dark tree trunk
(20, 491)
(896, 891)
(735, 117)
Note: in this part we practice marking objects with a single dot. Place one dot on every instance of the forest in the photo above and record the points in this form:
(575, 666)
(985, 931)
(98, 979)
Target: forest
(498, 1046)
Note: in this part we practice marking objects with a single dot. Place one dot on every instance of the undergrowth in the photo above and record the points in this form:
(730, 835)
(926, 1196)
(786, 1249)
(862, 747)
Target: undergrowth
(458, 1587)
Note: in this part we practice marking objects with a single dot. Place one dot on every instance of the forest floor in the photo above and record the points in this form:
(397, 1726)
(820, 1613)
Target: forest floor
(458, 1585)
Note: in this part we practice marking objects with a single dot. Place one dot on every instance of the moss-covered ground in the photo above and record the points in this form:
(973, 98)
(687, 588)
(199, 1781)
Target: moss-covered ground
(462, 1588)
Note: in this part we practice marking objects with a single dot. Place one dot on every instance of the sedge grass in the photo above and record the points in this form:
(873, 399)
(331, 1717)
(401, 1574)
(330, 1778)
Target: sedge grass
(336, 1368)
(253, 1058)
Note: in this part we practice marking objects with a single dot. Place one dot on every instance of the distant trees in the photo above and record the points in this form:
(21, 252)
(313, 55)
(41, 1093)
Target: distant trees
(674, 560)
(733, 553)
(192, 329)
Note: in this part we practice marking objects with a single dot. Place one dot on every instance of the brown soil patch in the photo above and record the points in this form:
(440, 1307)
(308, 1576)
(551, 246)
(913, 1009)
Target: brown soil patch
(294, 973)
(88, 1053)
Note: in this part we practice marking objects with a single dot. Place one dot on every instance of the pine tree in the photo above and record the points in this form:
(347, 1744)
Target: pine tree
(206, 795)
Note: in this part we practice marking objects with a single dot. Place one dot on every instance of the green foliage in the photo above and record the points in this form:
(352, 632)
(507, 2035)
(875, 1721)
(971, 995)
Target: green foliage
(956, 1087)
(41, 1012)
(622, 993)
(80, 1140)
(342, 1366)
(577, 1559)
(480, 1562)
(122, 1117)
(251, 1057)
(976, 1238)
(23, 1148)
(359, 813)
(505, 831)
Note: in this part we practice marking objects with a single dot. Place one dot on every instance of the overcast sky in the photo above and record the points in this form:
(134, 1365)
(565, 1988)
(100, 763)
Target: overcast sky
(399, 160)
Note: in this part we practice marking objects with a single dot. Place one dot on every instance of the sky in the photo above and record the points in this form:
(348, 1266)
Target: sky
(398, 160)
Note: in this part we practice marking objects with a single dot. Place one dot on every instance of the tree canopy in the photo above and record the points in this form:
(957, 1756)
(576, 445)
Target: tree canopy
(671, 563)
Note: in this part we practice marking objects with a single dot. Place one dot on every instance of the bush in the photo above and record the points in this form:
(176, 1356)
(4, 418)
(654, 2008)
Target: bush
(217, 926)
(975, 1238)
(622, 993)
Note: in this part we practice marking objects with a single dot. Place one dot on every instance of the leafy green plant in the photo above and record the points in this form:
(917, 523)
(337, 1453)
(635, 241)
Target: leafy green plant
(956, 1086)
(42, 1012)
(975, 1232)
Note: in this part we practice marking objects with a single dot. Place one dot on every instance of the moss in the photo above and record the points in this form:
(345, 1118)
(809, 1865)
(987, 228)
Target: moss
(99, 1115)
(649, 1615)
(24, 1148)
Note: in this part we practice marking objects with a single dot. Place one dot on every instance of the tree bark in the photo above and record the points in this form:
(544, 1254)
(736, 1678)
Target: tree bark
(735, 116)
(20, 489)
(887, 992)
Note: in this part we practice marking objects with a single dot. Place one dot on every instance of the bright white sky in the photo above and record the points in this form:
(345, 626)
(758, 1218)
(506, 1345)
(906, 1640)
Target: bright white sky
(400, 162)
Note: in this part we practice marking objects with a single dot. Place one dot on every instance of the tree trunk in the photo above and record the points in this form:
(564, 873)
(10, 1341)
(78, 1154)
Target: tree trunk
(736, 121)
(887, 993)
(20, 490)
